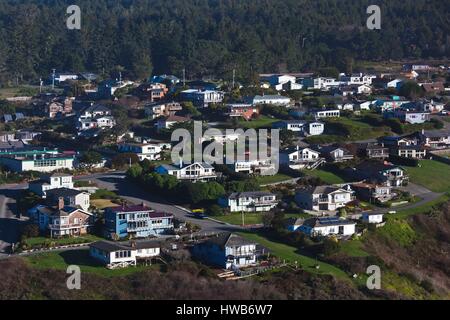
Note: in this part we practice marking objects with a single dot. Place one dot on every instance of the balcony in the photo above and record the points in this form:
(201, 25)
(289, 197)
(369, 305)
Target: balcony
(66, 226)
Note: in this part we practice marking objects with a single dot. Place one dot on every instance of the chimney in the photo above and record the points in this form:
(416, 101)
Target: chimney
(133, 244)
(60, 203)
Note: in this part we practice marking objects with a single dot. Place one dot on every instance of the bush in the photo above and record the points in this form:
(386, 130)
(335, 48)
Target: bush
(215, 210)
(400, 161)
(30, 231)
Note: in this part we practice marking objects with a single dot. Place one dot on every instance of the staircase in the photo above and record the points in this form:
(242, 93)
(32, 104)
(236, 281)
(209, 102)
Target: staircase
(316, 164)
(228, 275)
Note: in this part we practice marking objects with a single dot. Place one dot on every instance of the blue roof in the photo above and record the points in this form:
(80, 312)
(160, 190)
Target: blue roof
(7, 117)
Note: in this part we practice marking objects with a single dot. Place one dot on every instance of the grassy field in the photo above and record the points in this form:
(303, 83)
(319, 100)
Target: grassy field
(263, 180)
(327, 176)
(251, 218)
(39, 241)
(431, 174)
(261, 122)
(102, 203)
(81, 258)
(290, 254)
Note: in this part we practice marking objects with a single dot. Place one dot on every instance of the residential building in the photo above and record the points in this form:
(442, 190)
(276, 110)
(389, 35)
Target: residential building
(144, 151)
(166, 79)
(298, 158)
(202, 99)
(152, 91)
(137, 221)
(357, 79)
(324, 198)
(62, 220)
(375, 150)
(330, 226)
(95, 117)
(389, 104)
(396, 84)
(72, 198)
(306, 128)
(372, 217)
(168, 122)
(433, 88)
(242, 110)
(276, 100)
(108, 88)
(413, 152)
(227, 251)
(436, 139)
(373, 193)
(327, 114)
(321, 83)
(399, 141)
(58, 108)
(50, 182)
(198, 171)
(283, 82)
(36, 160)
(256, 201)
(257, 167)
(123, 254)
(432, 107)
(380, 173)
(162, 109)
(334, 153)
(412, 117)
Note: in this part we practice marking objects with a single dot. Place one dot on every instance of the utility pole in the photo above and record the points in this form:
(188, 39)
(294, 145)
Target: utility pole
(53, 79)
(40, 85)
(243, 219)
(234, 77)
(184, 77)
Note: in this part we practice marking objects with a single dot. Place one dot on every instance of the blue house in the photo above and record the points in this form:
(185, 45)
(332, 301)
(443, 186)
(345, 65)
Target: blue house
(136, 222)
(227, 251)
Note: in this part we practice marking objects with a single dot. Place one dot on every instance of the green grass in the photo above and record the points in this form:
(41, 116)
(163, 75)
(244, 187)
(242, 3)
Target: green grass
(289, 253)
(393, 282)
(402, 214)
(81, 258)
(400, 231)
(236, 218)
(263, 180)
(353, 248)
(41, 241)
(433, 175)
(326, 176)
(261, 122)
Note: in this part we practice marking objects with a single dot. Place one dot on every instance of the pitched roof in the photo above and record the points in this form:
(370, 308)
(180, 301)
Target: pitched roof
(110, 246)
(251, 194)
(228, 239)
(328, 221)
(64, 192)
(321, 190)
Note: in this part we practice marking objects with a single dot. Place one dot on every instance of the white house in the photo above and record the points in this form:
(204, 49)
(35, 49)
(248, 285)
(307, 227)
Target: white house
(123, 254)
(256, 201)
(321, 83)
(327, 114)
(396, 84)
(324, 198)
(358, 79)
(283, 82)
(307, 128)
(203, 98)
(258, 167)
(330, 226)
(299, 158)
(144, 151)
(374, 218)
(168, 122)
(270, 99)
(50, 182)
(72, 197)
(40, 161)
(198, 171)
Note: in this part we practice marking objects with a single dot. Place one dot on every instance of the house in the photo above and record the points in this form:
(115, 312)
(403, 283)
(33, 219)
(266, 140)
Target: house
(330, 226)
(294, 224)
(283, 82)
(373, 193)
(95, 117)
(357, 79)
(334, 153)
(63, 77)
(366, 105)
(108, 88)
(321, 83)
(152, 91)
(50, 182)
(436, 139)
(384, 105)
(168, 122)
(144, 151)
(380, 173)
(166, 79)
(11, 146)
(433, 88)
(242, 110)
(198, 171)
(413, 152)
(202, 99)
(276, 100)
(227, 251)
(372, 217)
(306, 128)
(257, 167)
(162, 109)
(395, 84)
(123, 254)
(397, 141)
(72, 198)
(298, 158)
(374, 150)
(323, 198)
(137, 221)
(36, 160)
(58, 107)
(327, 114)
(432, 107)
(256, 201)
(62, 220)
(407, 116)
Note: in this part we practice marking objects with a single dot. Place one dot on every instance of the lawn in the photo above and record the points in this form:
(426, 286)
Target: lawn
(43, 241)
(103, 203)
(261, 122)
(402, 214)
(353, 248)
(251, 218)
(326, 176)
(354, 130)
(264, 180)
(431, 174)
(81, 258)
(290, 254)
